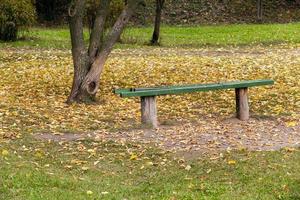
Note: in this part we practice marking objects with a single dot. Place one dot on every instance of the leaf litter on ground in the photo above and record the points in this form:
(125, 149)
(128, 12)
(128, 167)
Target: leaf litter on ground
(35, 83)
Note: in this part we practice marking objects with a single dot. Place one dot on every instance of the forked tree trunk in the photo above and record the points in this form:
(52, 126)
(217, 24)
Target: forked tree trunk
(156, 32)
(89, 62)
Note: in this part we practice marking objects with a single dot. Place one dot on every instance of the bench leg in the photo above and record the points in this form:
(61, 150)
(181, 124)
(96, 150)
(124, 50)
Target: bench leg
(149, 111)
(242, 105)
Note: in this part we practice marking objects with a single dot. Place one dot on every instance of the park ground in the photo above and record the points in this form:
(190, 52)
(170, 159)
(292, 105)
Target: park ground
(49, 150)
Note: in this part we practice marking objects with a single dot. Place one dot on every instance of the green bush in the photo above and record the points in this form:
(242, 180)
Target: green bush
(15, 15)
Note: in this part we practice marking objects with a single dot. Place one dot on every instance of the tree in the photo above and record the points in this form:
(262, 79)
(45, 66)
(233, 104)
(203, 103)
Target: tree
(89, 62)
(15, 15)
(259, 10)
(156, 32)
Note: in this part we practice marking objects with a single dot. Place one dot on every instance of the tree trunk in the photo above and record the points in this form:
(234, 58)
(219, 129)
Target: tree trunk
(89, 62)
(79, 53)
(156, 32)
(259, 10)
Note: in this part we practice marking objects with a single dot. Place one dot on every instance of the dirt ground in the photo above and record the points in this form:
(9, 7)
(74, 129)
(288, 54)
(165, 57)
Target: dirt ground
(205, 137)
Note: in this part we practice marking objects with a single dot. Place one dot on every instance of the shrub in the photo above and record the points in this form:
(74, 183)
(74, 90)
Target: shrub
(15, 15)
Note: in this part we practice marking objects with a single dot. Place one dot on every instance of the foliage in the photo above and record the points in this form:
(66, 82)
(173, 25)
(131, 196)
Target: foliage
(15, 14)
(223, 11)
(116, 7)
(55, 11)
(190, 12)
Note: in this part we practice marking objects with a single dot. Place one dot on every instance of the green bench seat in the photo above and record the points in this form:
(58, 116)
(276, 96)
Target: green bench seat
(148, 96)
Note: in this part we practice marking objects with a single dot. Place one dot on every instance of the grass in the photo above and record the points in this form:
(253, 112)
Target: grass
(35, 170)
(171, 36)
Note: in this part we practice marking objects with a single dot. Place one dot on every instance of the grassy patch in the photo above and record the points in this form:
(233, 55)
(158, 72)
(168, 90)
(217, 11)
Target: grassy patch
(171, 36)
(34, 170)
(219, 35)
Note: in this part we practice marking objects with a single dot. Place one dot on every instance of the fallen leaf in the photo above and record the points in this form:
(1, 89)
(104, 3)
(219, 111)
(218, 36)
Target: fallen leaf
(4, 152)
(133, 157)
(85, 168)
(104, 193)
(188, 167)
(291, 124)
(231, 162)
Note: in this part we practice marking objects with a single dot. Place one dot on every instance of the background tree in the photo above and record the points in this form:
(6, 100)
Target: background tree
(115, 9)
(89, 62)
(15, 15)
(259, 10)
(156, 32)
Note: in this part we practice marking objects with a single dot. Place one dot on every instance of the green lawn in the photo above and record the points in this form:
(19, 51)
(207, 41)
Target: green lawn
(35, 170)
(171, 36)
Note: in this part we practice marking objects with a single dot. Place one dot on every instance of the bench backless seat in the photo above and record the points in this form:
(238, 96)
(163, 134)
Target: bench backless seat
(148, 96)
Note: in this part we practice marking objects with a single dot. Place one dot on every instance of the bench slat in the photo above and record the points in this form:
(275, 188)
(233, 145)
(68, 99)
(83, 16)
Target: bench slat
(165, 90)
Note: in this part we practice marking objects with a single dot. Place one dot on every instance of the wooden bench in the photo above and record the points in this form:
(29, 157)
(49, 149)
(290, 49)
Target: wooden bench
(148, 96)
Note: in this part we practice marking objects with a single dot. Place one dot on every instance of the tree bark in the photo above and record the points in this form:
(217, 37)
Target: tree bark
(259, 10)
(89, 63)
(156, 32)
(98, 29)
(79, 54)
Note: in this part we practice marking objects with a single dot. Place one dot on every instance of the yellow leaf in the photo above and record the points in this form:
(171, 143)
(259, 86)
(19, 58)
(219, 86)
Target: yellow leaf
(291, 124)
(5, 152)
(231, 162)
(38, 155)
(149, 163)
(133, 157)
(289, 149)
(85, 168)
(89, 192)
(68, 166)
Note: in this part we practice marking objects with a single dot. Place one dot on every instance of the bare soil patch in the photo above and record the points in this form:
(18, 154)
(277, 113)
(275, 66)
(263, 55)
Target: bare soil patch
(207, 136)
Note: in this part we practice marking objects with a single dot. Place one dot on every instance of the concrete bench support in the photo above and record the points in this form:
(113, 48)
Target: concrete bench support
(242, 104)
(149, 111)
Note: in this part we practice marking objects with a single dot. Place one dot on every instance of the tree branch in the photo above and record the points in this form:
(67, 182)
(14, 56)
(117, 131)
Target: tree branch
(98, 29)
(119, 25)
